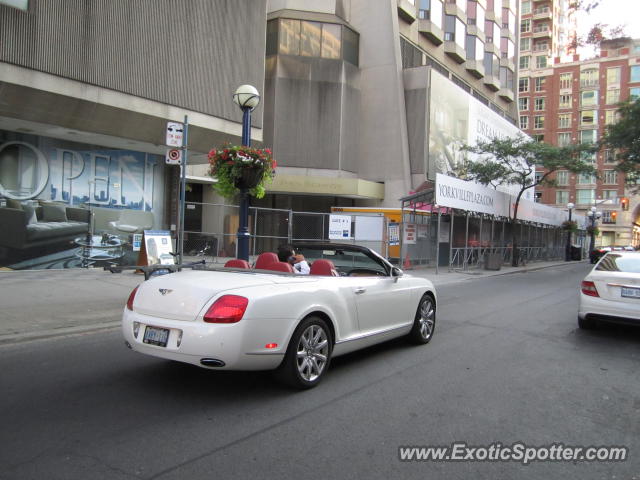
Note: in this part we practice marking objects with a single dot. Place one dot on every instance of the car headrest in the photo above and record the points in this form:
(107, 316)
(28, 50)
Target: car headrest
(279, 267)
(323, 267)
(265, 259)
(236, 263)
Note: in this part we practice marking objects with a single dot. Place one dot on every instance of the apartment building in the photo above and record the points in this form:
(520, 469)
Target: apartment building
(575, 102)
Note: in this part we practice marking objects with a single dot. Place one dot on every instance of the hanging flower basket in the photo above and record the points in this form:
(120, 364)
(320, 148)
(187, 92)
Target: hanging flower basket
(570, 226)
(238, 168)
(593, 230)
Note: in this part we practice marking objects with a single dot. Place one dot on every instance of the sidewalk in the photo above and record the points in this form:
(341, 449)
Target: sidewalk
(39, 304)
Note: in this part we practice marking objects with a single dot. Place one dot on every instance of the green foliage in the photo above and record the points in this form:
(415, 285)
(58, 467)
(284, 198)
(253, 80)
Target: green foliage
(513, 161)
(229, 163)
(624, 137)
(570, 226)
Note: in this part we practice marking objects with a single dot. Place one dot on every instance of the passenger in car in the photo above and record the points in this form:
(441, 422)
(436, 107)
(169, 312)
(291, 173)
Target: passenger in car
(300, 265)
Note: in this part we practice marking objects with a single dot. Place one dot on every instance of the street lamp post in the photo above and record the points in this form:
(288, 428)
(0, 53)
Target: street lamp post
(567, 256)
(592, 215)
(247, 98)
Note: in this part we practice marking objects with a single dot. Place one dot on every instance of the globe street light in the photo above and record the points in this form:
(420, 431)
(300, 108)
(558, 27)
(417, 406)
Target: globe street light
(247, 98)
(567, 256)
(593, 215)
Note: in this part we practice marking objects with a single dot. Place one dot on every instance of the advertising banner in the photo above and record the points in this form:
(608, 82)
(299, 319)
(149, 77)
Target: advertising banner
(339, 227)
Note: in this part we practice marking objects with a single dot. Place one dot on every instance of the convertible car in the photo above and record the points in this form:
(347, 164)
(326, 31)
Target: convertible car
(268, 318)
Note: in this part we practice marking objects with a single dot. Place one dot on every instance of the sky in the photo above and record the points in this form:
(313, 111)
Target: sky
(613, 13)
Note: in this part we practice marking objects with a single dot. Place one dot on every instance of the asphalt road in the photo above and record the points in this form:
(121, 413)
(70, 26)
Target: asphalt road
(507, 364)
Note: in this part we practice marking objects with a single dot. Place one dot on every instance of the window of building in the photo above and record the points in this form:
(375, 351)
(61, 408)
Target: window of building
(564, 120)
(611, 117)
(525, 7)
(540, 81)
(589, 157)
(607, 217)
(562, 177)
(525, 26)
(431, 10)
(613, 76)
(523, 84)
(635, 73)
(585, 196)
(474, 48)
(524, 122)
(588, 117)
(562, 197)
(586, 178)
(524, 62)
(538, 137)
(565, 80)
(588, 136)
(611, 177)
(634, 93)
(613, 96)
(540, 46)
(539, 104)
(523, 103)
(538, 121)
(541, 61)
(312, 39)
(610, 195)
(565, 101)
(454, 30)
(525, 44)
(609, 156)
(564, 139)
(589, 98)
(589, 77)
(491, 64)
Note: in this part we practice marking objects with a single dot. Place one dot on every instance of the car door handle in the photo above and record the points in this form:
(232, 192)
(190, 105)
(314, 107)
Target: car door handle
(360, 290)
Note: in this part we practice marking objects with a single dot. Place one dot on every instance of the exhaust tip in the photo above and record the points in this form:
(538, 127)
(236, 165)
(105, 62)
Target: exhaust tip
(212, 362)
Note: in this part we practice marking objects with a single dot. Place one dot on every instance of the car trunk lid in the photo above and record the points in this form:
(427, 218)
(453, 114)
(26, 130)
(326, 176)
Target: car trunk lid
(618, 286)
(181, 296)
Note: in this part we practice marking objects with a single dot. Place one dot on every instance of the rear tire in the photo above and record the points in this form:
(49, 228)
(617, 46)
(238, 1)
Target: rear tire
(424, 323)
(308, 355)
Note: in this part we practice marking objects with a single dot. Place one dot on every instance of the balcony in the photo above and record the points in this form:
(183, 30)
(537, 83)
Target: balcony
(406, 11)
(431, 31)
(506, 94)
(492, 82)
(475, 68)
(506, 33)
(453, 9)
(541, 33)
(455, 51)
(542, 13)
(474, 30)
(508, 63)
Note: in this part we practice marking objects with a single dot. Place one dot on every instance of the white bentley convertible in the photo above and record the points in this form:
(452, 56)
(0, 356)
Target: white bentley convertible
(270, 318)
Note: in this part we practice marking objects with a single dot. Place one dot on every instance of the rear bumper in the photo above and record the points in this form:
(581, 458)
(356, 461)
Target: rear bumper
(241, 346)
(607, 310)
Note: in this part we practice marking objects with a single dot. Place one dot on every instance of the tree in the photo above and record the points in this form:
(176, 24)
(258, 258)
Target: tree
(513, 161)
(624, 137)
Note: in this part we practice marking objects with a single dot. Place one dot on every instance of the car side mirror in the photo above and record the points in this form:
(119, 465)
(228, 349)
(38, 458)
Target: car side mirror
(396, 272)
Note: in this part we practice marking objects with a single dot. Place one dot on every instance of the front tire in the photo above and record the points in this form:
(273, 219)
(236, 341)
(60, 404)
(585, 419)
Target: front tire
(308, 354)
(425, 321)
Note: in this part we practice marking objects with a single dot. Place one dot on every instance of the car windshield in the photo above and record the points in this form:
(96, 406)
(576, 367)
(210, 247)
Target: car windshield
(345, 261)
(619, 263)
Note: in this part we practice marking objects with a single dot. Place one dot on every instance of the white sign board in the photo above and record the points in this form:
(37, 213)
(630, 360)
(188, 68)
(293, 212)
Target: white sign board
(175, 134)
(174, 156)
(158, 247)
(339, 227)
(394, 234)
(409, 234)
(369, 228)
(473, 197)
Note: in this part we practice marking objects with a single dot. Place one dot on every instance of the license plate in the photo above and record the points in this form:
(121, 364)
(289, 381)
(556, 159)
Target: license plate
(156, 336)
(629, 292)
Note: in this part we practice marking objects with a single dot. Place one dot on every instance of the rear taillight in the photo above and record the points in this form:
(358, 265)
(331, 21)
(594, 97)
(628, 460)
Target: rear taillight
(226, 309)
(132, 295)
(589, 288)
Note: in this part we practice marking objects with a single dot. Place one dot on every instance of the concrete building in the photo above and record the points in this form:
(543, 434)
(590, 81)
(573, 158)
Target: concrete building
(574, 102)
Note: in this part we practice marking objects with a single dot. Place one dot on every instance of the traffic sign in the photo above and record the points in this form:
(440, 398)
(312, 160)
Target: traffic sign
(175, 134)
(174, 156)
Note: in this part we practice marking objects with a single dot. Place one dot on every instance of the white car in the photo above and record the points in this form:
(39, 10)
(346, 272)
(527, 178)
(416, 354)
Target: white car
(243, 319)
(611, 291)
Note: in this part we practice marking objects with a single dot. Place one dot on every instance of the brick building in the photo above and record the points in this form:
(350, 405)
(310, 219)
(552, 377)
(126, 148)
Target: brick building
(574, 102)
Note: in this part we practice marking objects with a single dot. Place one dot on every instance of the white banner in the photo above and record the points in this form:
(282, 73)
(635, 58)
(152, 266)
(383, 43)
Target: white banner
(455, 193)
(339, 227)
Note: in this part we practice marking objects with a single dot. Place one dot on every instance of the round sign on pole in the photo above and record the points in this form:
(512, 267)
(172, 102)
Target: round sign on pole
(174, 156)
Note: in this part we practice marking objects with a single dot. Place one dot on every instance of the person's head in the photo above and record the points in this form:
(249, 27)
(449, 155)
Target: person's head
(286, 253)
(298, 258)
